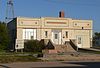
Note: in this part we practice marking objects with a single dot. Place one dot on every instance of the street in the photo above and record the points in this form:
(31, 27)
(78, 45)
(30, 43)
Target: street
(53, 64)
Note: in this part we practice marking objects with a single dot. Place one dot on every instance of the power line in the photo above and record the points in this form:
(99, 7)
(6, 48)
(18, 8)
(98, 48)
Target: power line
(9, 10)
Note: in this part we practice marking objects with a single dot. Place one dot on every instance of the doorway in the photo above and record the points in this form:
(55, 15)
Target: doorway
(56, 36)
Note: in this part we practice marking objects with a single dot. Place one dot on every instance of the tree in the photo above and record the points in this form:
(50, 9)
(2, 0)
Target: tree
(96, 35)
(96, 38)
(4, 37)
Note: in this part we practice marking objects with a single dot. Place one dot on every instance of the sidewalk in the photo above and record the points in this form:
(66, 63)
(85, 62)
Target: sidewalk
(38, 65)
(91, 49)
(58, 64)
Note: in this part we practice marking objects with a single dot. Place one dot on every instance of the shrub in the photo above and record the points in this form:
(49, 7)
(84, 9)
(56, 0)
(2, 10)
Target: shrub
(33, 46)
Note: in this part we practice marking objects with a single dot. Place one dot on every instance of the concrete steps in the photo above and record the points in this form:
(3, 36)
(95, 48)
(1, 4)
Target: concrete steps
(69, 48)
(64, 48)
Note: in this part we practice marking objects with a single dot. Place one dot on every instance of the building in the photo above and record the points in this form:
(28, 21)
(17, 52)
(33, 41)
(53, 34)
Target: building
(57, 29)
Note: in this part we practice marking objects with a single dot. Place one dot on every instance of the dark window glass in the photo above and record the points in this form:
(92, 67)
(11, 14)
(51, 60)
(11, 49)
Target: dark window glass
(46, 34)
(66, 34)
(56, 36)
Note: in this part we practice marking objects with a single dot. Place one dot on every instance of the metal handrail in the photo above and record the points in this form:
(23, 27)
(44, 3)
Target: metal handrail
(73, 44)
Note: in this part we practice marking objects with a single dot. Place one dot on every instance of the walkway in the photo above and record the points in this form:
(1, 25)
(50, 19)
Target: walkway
(91, 49)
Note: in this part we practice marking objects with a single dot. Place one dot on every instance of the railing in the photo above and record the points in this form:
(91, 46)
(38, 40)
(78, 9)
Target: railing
(73, 44)
(48, 43)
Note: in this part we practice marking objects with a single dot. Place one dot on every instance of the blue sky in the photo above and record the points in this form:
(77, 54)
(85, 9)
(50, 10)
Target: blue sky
(76, 9)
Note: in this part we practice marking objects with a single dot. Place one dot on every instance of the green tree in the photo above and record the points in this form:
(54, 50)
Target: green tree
(4, 37)
(96, 37)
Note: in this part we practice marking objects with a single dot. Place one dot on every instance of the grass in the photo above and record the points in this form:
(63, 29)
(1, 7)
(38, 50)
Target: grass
(10, 59)
(17, 57)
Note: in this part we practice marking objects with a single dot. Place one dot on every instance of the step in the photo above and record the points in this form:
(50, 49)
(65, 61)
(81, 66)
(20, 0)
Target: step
(64, 48)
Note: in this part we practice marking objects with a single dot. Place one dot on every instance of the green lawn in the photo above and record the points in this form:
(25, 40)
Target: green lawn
(17, 57)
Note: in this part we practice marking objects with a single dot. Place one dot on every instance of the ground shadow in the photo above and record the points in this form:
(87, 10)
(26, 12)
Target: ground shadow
(4, 66)
(86, 64)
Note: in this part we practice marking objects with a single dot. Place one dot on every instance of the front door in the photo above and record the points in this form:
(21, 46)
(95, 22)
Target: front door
(56, 36)
(79, 41)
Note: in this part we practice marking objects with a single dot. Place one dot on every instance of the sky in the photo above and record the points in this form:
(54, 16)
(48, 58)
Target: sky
(76, 9)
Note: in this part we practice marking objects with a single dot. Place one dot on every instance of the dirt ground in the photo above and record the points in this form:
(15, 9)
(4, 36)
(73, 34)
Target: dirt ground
(72, 57)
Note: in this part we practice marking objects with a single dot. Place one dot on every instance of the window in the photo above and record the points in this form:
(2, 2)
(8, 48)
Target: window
(17, 45)
(32, 37)
(56, 36)
(75, 24)
(79, 40)
(82, 27)
(46, 34)
(66, 34)
(29, 34)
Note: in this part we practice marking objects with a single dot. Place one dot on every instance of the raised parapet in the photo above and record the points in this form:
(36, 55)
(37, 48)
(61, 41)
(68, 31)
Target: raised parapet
(82, 24)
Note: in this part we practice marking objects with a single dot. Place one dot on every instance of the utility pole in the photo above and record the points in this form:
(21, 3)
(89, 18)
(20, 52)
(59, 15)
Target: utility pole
(9, 11)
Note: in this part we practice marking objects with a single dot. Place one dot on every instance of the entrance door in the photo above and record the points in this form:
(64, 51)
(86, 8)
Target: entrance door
(79, 41)
(56, 36)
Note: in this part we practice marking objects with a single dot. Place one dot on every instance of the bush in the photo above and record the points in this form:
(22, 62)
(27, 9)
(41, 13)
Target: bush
(33, 46)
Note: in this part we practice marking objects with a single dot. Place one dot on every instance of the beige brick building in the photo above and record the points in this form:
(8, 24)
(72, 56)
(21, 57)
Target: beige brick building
(57, 29)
